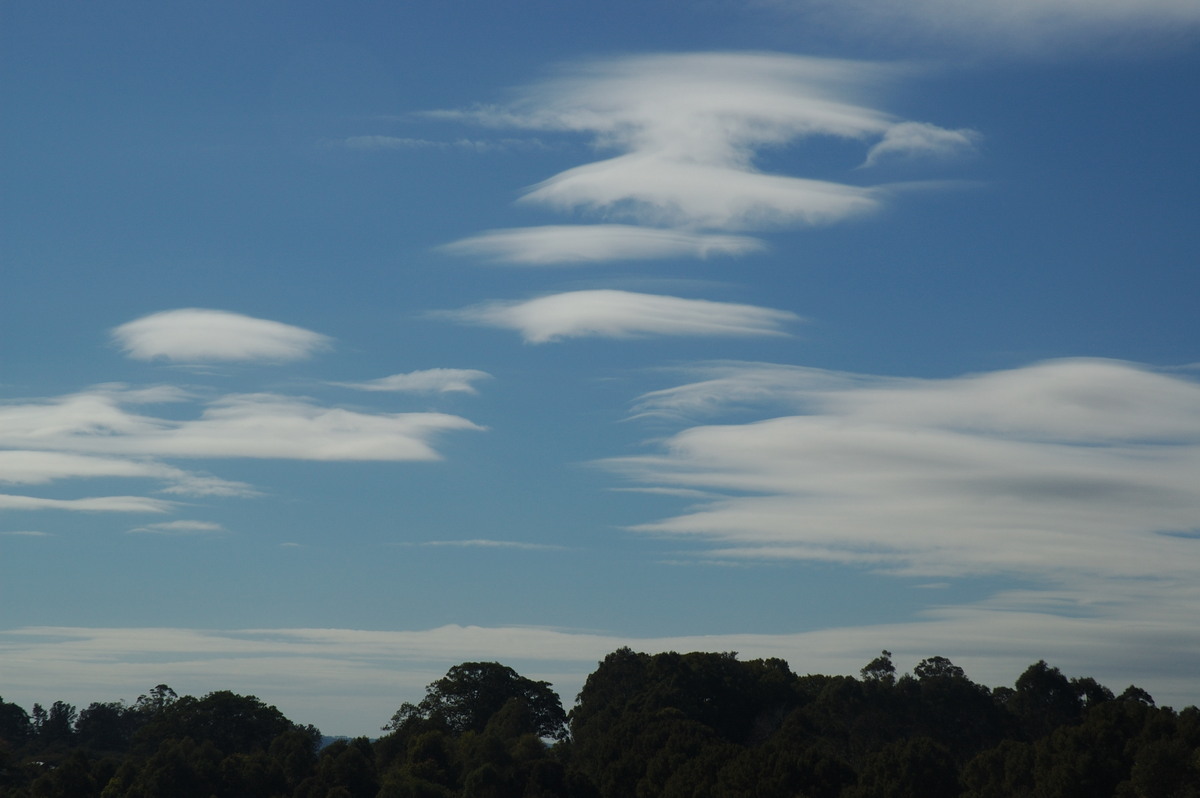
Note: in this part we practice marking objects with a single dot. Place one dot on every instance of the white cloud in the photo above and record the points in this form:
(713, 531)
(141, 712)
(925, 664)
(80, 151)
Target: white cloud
(177, 528)
(96, 504)
(1009, 26)
(195, 335)
(916, 139)
(426, 381)
(687, 129)
(25, 467)
(571, 244)
(244, 425)
(27, 533)
(388, 143)
(1066, 471)
(620, 314)
(653, 190)
(484, 543)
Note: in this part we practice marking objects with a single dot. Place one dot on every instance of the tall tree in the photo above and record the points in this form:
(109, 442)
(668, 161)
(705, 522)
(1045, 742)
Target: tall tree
(467, 697)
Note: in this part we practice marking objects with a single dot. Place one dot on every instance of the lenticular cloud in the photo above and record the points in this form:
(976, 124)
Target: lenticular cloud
(197, 335)
(624, 314)
(686, 130)
(566, 244)
(1067, 470)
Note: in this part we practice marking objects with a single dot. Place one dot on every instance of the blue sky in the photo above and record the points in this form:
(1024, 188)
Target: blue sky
(343, 343)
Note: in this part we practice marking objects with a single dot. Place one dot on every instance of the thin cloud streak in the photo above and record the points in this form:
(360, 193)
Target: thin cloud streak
(95, 504)
(24, 467)
(245, 425)
(576, 244)
(179, 528)
(1010, 27)
(484, 543)
(623, 314)
(198, 335)
(426, 381)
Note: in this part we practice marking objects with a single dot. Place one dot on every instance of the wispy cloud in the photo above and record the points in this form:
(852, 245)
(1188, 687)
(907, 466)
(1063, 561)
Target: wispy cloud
(484, 543)
(623, 314)
(1008, 26)
(425, 381)
(196, 335)
(1067, 471)
(179, 528)
(25, 467)
(574, 244)
(27, 533)
(653, 190)
(687, 129)
(95, 504)
(241, 425)
(919, 139)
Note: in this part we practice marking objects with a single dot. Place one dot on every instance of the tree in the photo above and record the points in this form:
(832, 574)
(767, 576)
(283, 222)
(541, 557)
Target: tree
(880, 669)
(913, 768)
(1044, 699)
(159, 698)
(56, 727)
(14, 724)
(105, 726)
(467, 697)
(231, 722)
(938, 668)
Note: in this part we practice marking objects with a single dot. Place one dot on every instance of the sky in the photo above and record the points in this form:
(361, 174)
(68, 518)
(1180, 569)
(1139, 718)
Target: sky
(343, 343)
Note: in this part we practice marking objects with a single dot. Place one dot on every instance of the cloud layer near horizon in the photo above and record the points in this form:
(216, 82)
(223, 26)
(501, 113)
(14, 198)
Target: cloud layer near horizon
(349, 681)
(687, 129)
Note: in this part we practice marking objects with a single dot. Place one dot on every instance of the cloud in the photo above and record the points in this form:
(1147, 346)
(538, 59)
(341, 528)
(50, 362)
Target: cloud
(98, 504)
(388, 143)
(916, 139)
(27, 533)
(483, 543)
(25, 467)
(653, 190)
(570, 244)
(623, 314)
(1009, 26)
(687, 129)
(426, 381)
(1067, 471)
(177, 528)
(195, 335)
(240, 425)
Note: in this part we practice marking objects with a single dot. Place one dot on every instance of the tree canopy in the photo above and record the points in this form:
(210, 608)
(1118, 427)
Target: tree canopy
(664, 725)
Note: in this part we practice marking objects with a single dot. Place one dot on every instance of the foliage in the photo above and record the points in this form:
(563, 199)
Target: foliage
(699, 725)
(467, 697)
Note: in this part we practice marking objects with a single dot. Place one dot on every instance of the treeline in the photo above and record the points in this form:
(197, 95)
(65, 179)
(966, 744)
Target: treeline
(644, 726)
